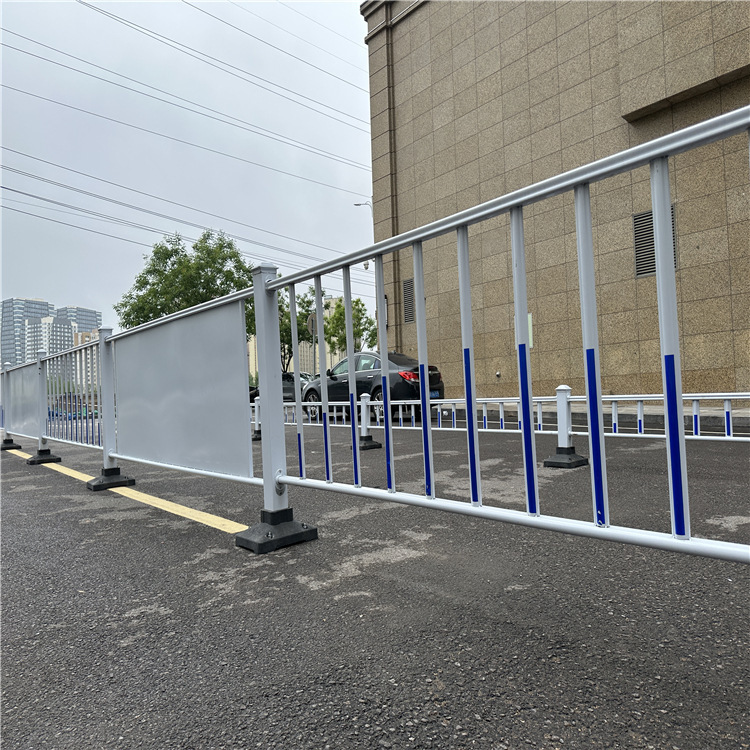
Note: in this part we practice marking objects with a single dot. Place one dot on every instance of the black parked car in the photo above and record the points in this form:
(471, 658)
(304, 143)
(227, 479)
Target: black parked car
(403, 378)
(287, 385)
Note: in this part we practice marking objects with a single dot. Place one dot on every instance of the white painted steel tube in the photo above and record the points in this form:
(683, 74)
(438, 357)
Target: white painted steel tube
(525, 406)
(728, 418)
(350, 354)
(669, 336)
(696, 417)
(704, 547)
(273, 444)
(301, 467)
(591, 363)
(564, 421)
(42, 398)
(256, 481)
(382, 312)
(107, 397)
(323, 409)
(467, 359)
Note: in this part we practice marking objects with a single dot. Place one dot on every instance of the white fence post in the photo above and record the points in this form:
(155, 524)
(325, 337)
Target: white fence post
(256, 419)
(110, 475)
(43, 454)
(277, 527)
(366, 442)
(565, 456)
(8, 443)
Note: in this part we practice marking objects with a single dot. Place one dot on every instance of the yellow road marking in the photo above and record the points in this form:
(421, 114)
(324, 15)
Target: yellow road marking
(207, 519)
(180, 510)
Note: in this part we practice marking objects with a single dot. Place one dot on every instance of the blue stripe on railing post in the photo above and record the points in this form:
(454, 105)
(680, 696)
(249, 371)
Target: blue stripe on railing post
(696, 417)
(666, 296)
(467, 341)
(525, 407)
(426, 434)
(590, 339)
(727, 418)
(615, 417)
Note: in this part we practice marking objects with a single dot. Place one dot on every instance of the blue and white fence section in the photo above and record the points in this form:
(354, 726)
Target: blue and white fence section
(161, 367)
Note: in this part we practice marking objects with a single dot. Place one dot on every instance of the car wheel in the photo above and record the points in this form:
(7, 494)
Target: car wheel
(377, 405)
(313, 411)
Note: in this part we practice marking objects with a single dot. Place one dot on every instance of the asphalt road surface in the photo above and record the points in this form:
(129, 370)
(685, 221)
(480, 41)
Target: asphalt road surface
(127, 626)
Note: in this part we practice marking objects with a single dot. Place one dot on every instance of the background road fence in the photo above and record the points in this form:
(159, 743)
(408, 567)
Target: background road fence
(149, 376)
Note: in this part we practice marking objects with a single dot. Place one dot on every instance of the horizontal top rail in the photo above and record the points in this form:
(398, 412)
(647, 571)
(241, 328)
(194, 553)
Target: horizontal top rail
(693, 136)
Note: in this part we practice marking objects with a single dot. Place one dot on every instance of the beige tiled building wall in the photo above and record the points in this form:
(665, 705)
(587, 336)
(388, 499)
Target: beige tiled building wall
(471, 100)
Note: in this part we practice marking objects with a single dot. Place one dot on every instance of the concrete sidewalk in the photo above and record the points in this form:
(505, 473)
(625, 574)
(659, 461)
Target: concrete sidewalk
(127, 626)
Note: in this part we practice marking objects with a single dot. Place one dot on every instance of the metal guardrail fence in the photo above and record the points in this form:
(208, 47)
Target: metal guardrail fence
(156, 370)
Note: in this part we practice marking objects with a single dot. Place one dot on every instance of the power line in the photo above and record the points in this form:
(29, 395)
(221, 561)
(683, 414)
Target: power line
(323, 26)
(297, 36)
(143, 244)
(76, 226)
(143, 210)
(184, 142)
(179, 47)
(250, 127)
(268, 44)
(151, 195)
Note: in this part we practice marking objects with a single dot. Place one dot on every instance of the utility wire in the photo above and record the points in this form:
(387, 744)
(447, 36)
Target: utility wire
(179, 47)
(76, 226)
(301, 38)
(184, 142)
(143, 210)
(268, 44)
(323, 26)
(150, 195)
(250, 127)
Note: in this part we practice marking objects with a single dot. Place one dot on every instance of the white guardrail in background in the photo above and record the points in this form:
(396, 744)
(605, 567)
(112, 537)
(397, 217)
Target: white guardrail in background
(157, 373)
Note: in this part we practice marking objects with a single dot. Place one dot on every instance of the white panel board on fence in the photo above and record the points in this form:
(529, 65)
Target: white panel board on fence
(182, 392)
(23, 400)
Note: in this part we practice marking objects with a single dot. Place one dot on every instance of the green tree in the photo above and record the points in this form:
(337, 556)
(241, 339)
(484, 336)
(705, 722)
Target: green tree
(365, 330)
(176, 278)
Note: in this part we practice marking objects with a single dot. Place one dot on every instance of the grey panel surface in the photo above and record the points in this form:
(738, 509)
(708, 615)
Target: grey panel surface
(24, 400)
(182, 392)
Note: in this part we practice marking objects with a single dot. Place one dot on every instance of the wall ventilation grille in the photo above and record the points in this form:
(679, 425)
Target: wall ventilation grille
(643, 237)
(408, 300)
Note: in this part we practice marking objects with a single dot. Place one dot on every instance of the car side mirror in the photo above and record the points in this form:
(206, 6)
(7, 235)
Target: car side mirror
(328, 373)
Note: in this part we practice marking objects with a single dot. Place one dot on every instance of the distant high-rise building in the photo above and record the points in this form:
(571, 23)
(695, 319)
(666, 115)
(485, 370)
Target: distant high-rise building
(28, 325)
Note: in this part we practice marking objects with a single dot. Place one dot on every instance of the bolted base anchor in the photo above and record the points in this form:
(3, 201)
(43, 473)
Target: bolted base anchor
(109, 478)
(256, 436)
(276, 529)
(566, 458)
(366, 443)
(9, 445)
(43, 456)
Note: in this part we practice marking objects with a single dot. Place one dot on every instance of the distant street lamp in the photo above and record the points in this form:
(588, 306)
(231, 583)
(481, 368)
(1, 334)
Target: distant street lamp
(366, 203)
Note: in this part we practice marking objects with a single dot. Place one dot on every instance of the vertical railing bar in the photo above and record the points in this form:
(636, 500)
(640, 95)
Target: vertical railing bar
(301, 464)
(385, 371)
(323, 412)
(467, 346)
(501, 415)
(539, 416)
(666, 295)
(590, 341)
(525, 417)
(696, 417)
(727, 417)
(615, 417)
(640, 418)
(420, 315)
(350, 353)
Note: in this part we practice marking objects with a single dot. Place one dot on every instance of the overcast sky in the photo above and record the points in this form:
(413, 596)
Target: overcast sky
(290, 71)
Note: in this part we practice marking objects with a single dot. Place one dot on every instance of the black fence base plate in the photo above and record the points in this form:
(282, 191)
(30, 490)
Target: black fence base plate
(43, 456)
(256, 436)
(109, 479)
(9, 445)
(566, 458)
(367, 443)
(276, 529)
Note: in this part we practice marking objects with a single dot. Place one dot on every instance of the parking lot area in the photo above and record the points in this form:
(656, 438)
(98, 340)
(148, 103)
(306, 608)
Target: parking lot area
(126, 625)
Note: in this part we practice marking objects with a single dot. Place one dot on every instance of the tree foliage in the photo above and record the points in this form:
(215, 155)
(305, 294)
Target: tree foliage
(176, 278)
(365, 330)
